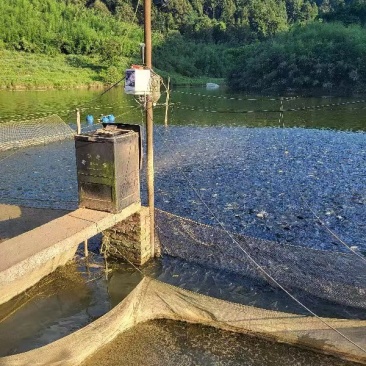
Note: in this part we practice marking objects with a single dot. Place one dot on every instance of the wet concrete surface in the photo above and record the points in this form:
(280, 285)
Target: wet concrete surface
(285, 185)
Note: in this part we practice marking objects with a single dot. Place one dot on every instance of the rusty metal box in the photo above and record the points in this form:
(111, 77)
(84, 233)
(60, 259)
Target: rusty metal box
(108, 164)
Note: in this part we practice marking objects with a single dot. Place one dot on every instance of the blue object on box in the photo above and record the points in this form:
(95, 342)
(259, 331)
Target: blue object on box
(111, 118)
(89, 119)
(105, 119)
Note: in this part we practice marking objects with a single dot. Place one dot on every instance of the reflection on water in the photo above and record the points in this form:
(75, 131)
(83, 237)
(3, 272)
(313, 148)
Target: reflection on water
(170, 343)
(194, 106)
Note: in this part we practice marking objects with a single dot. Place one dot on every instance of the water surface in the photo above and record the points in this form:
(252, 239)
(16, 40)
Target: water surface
(192, 106)
(241, 174)
(169, 343)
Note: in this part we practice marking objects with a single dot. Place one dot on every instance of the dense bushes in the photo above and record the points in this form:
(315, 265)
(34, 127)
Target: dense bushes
(220, 21)
(317, 56)
(188, 58)
(268, 43)
(50, 26)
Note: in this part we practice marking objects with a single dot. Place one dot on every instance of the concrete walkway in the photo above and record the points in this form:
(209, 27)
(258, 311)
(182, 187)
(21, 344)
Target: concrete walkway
(16, 220)
(34, 254)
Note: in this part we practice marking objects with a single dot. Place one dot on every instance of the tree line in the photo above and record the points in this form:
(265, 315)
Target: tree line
(51, 26)
(267, 44)
(320, 56)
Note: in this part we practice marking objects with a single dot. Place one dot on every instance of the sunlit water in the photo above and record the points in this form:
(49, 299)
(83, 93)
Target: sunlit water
(91, 294)
(192, 106)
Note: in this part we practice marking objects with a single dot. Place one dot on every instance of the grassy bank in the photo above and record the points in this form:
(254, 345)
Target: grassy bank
(22, 70)
(35, 71)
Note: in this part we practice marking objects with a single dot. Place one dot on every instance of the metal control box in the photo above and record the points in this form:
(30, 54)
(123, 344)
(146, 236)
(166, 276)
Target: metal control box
(108, 164)
(137, 81)
(141, 81)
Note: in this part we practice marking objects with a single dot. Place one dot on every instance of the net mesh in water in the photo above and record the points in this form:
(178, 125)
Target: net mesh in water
(335, 277)
(16, 134)
(310, 297)
(295, 280)
(152, 299)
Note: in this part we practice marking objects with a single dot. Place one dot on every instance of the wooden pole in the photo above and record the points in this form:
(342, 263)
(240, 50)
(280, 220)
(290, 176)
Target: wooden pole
(86, 252)
(281, 112)
(78, 123)
(167, 103)
(149, 127)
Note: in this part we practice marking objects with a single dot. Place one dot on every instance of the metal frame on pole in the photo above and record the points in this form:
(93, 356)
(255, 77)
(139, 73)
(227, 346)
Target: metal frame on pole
(149, 126)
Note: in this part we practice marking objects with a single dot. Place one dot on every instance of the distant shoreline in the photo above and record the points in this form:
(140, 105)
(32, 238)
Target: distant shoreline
(29, 71)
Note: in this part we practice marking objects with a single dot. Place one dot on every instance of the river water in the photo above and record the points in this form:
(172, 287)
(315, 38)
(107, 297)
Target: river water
(244, 154)
(192, 106)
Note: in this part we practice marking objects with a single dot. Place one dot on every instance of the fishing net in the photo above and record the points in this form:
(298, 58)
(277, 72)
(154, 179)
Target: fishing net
(311, 298)
(209, 275)
(317, 278)
(15, 134)
(152, 299)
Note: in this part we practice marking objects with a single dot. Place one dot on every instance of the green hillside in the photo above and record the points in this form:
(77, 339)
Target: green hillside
(328, 56)
(75, 43)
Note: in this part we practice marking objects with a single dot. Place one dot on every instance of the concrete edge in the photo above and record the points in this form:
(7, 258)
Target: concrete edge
(15, 272)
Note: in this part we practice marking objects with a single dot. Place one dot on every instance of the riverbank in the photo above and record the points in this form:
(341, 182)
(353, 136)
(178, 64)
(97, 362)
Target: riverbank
(29, 71)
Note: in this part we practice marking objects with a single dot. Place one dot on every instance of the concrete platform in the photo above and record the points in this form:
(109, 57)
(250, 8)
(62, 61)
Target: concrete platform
(34, 254)
(16, 220)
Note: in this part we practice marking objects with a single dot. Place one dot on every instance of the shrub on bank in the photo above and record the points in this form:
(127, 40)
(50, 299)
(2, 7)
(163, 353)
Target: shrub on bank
(317, 56)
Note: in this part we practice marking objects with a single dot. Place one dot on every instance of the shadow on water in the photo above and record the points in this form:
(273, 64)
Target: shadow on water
(58, 305)
(70, 298)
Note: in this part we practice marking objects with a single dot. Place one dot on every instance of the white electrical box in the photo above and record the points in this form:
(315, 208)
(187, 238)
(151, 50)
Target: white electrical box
(138, 81)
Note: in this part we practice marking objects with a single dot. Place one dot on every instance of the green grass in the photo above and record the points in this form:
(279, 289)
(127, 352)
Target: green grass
(21, 70)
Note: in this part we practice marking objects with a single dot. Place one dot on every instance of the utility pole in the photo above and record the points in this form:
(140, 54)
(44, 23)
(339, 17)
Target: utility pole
(149, 126)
